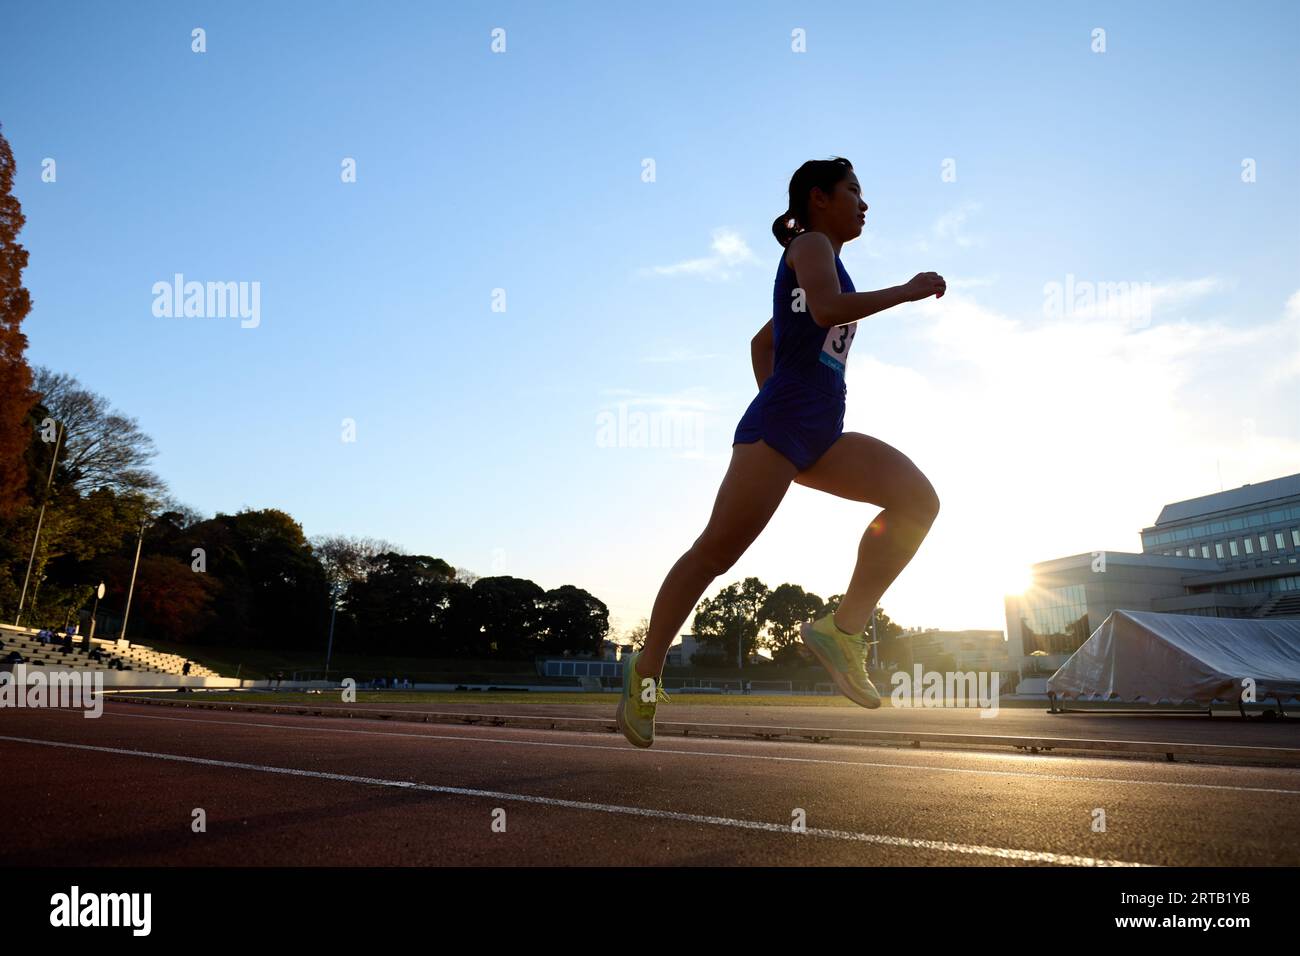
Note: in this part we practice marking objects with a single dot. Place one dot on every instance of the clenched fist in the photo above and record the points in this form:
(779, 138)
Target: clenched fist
(925, 284)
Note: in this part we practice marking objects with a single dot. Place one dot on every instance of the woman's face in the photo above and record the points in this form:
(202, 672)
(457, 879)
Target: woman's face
(844, 213)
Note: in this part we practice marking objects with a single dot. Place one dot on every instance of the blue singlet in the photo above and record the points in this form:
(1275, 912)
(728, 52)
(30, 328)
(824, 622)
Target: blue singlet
(799, 411)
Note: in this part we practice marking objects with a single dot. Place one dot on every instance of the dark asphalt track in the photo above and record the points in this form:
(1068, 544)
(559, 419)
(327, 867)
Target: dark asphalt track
(304, 790)
(1224, 729)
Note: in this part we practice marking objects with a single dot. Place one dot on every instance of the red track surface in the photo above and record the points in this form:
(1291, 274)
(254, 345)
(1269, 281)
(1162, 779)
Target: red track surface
(304, 790)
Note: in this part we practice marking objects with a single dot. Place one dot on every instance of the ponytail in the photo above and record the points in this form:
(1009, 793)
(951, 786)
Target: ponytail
(820, 173)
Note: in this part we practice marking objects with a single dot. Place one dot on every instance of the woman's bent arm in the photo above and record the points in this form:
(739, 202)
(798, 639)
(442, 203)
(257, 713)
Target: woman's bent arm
(851, 306)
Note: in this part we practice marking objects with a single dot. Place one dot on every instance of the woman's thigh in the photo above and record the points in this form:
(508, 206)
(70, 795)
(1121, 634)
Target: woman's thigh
(862, 468)
(755, 483)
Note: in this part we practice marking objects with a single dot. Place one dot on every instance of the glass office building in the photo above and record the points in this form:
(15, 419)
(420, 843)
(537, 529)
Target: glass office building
(1230, 554)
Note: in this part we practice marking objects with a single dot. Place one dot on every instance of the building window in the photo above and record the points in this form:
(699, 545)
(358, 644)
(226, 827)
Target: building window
(1232, 547)
(1250, 546)
(1218, 550)
(1295, 537)
(1205, 550)
(1054, 620)
(1263, 544)
(1279, 541)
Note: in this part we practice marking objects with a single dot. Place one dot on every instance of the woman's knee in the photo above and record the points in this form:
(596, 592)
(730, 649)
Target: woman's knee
(930, 501)
(922, 501)
(715, 557)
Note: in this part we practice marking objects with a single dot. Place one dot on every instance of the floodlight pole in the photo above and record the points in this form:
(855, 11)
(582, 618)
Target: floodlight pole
(131, 590)
(39, 521)
(329, 648)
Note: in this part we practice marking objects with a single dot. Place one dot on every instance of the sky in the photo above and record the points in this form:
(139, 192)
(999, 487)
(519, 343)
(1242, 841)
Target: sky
(560, 229)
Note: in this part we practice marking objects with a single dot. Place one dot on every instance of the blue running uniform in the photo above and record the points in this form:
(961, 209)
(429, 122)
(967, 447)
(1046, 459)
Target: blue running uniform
(799, 410)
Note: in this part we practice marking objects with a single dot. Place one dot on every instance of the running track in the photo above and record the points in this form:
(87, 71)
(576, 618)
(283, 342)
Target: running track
(287, 790)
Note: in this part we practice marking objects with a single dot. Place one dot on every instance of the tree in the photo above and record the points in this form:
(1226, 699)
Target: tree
(784, 610)
(635, 636)
(103, 449)
(893, 647)
(16, 396)
(509, 615)
(273, 592)
(171, 602)
(398, 604)
(732, 618)
(348, 559)
(572, 620)
(78, 537)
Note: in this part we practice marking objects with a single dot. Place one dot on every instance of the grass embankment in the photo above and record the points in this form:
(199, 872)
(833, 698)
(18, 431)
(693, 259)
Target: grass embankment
(259, 664)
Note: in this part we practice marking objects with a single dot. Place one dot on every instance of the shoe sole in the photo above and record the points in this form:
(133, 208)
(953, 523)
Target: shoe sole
(842, 682)
(631, 736)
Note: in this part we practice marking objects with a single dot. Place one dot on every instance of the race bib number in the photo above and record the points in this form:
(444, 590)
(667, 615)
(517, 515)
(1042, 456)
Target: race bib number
(835, 350)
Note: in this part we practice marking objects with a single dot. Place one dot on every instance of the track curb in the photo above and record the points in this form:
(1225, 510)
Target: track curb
(1169, 750)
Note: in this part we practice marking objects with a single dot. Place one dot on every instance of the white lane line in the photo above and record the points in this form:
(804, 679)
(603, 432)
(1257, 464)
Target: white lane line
(706, 753)
(1004, 853)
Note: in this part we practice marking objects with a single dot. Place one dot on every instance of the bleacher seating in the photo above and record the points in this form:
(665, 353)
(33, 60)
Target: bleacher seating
(136, 657)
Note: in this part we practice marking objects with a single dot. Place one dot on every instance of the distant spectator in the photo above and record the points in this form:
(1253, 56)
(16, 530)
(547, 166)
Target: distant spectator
(95, 655)
(185, 671)
(13, 657)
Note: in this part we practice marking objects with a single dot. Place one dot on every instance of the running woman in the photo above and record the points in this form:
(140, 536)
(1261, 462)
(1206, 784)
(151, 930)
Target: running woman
(793, 430)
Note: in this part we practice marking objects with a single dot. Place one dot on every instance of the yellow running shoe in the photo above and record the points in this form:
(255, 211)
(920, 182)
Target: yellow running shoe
(843, 657)
(636, 715)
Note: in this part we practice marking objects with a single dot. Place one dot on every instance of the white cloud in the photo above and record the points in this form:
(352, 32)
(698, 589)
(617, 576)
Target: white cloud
(948, 228)
(730, 252)
(973, 282)
(949, 225)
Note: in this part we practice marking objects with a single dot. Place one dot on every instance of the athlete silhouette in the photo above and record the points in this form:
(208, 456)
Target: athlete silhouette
(793, 430)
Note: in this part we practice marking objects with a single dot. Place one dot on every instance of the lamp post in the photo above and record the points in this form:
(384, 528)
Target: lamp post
(39, 521)
(131, 590)
(334, 608)
(99, 593)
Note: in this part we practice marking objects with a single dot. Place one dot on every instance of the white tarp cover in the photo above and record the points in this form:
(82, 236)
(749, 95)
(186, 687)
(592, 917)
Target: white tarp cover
(1145, 656)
